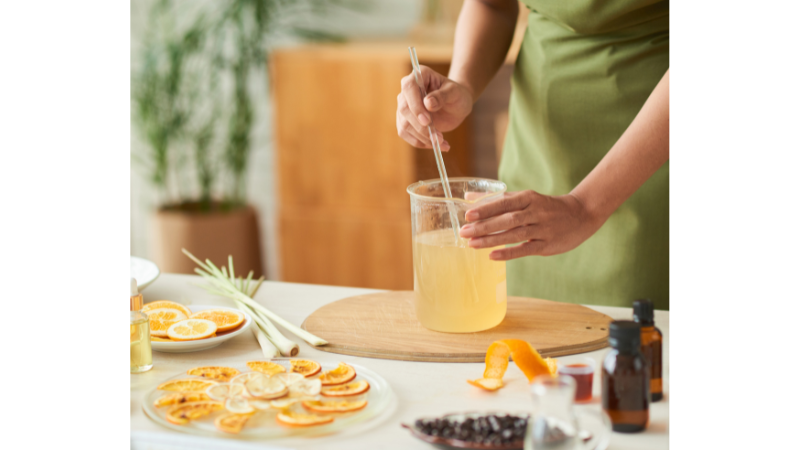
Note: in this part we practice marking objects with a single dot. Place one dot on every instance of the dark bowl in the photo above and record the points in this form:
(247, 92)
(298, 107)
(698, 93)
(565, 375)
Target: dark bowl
(449, 443)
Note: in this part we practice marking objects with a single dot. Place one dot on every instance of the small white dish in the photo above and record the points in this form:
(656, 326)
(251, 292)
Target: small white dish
(144, 271)
(202, 344)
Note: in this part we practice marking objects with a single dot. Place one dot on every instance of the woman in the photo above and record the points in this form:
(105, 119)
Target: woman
(587, 150)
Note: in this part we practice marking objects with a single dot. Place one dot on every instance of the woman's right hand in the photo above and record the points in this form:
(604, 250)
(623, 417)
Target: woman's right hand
(447, 102)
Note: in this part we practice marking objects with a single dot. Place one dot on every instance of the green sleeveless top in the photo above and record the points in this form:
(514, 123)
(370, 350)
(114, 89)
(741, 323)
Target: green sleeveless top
(584, 71)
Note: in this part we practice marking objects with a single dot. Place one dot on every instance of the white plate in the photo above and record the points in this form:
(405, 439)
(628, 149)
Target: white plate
(380, 398)
(202, 344)
(144, 271)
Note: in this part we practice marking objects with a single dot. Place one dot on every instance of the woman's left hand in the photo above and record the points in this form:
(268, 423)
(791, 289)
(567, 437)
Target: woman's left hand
(545, 225)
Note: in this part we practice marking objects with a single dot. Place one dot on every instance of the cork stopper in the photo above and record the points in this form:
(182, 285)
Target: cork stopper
(137, 300)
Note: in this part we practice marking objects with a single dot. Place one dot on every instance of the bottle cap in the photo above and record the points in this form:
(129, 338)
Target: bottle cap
(137, 301)
(624, 334)
(643, 311)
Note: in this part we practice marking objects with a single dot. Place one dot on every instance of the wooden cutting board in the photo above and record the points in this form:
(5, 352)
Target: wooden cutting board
(383, 325)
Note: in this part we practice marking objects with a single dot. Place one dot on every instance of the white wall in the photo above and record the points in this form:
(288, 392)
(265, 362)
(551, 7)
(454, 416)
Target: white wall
(385, 19)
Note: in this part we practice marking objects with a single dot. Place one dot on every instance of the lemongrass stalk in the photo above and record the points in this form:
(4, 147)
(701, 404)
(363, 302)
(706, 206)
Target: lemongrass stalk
(220, 281)
(246, 286)
(258, 285)
(267, 347)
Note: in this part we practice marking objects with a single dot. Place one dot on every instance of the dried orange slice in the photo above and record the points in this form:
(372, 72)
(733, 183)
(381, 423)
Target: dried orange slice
(191, 330)
(231, 423)
(344, 390)
(335, 406)
(187, 385)
(297, 419)
(339, 375)
(166, 304)
(224, 318)
(182, 414)
(160, 339)
(220, 373)
(266, 388)
(305, 367)
(525, 356)
(267, 367)
(180, 397)
(163, 318)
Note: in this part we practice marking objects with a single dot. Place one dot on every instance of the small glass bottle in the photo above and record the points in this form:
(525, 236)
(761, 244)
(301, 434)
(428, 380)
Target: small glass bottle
(626, 379)
(141, 351)
(651, 345)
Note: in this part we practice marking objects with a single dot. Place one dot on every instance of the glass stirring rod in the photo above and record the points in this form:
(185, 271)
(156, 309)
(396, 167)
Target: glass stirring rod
(437, 151)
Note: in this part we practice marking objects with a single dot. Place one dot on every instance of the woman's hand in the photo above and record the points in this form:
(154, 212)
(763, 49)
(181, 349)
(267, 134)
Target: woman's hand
(447, 101)
(545, 225)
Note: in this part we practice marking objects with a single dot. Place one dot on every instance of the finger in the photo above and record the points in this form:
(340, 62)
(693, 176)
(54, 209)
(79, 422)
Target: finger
(440, 98)
(414, 141)
(509, 202)
(502, 222)
(420, 130)
(405, 128)
(413, 97)
(518, 251)
(513, 236)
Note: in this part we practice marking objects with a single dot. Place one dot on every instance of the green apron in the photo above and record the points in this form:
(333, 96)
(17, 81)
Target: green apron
(584, 71)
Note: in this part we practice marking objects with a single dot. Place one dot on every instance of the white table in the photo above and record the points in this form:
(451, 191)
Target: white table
(423, 389)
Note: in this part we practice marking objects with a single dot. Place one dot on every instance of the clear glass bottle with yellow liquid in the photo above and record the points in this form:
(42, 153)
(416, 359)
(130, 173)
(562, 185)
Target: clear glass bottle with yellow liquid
(458, 289)
(141, 351)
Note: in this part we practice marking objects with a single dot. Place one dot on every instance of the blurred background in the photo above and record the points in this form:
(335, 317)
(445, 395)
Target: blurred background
(265, 129)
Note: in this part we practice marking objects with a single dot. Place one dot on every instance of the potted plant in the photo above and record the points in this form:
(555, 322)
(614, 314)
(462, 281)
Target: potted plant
(193, 106)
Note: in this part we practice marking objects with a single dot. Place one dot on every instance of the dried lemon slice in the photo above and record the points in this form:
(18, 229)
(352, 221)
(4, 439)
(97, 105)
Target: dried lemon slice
(180, 397)
(238, 405)
(182, 414)
(220, 373)
(339, 375)
(525, 356)
(186, 385)
(231, 423)
(305, 367)
(297, 419)
(191, 330)
(344, 390)
(289, 378)
(261, 404)
(335, 406)
(163, 318)
(305, 388)
(267, 367)
(225, 319)
(166, 304)
(247, 376)
(222, 391)
(266, 388)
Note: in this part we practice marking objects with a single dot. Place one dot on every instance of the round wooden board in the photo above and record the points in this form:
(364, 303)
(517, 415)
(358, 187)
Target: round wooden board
(383, 325)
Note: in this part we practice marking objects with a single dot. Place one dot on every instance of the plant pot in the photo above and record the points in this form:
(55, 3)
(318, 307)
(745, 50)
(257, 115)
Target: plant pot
(213, 235)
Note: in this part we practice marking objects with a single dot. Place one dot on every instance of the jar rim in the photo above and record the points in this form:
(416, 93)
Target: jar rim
(411, 190)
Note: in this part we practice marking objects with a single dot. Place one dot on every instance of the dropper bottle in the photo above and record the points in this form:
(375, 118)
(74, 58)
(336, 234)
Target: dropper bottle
(137, 299)
(141, 350)
(651, 344)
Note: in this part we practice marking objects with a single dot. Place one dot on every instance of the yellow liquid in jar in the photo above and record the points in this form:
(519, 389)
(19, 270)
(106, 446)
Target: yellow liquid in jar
(141, 350)
(458, 289)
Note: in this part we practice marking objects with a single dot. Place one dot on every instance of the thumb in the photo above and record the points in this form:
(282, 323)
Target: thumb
(437, 99)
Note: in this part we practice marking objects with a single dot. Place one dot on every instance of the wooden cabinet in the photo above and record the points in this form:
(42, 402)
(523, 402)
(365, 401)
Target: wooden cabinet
(344, 214)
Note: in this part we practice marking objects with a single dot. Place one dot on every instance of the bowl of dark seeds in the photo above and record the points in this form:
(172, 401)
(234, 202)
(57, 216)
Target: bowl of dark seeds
(488, 431)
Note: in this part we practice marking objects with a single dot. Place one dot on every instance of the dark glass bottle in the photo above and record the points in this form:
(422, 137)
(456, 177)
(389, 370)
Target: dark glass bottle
(651, 345)
(626, 379)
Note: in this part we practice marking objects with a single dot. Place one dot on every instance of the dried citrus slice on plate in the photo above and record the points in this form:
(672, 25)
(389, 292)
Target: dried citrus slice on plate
(191, 330)
(245, 377)
(166, 304)
(266, 388)
(225, 319)
(220, 373)
(182, 414)
(305, 388)
(238, 405)
(339, 375)
(344, 390)
(163, 318)
(305, 367)
(283, 403)
(297, 419)
(525, 356)
(180, 397)
(231, 423)
(186, 385)
(289, 378)
(222, 391)
(267, 367)
(334, 406)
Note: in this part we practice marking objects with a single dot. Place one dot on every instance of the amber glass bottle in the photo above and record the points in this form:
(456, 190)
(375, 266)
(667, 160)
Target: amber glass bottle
(626, 379)
(651, 344)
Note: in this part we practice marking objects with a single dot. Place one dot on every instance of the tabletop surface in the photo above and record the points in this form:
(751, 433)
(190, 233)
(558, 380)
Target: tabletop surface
(423, 389)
